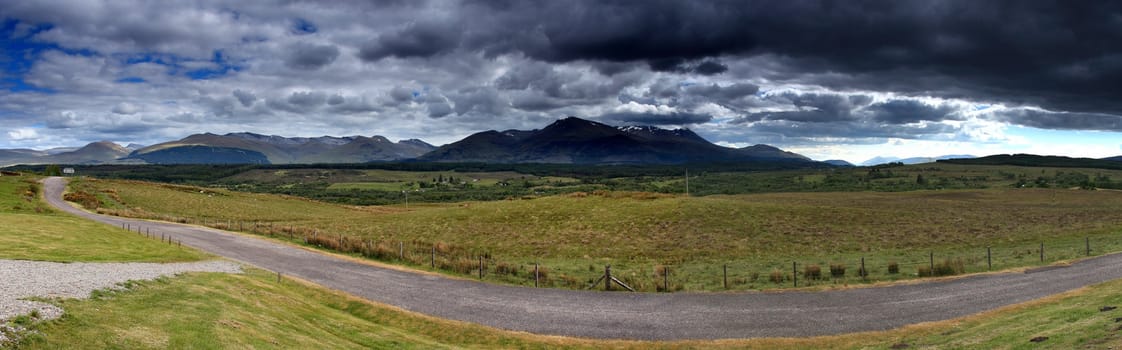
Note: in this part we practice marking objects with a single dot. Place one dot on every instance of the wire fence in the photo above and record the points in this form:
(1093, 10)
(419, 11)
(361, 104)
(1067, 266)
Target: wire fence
(700, 275)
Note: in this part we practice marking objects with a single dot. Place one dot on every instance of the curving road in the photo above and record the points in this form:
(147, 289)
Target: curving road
(644, 316)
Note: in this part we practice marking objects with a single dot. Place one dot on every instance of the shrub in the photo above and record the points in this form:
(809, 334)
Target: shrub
(837, 270)
(503, 268)
(812, 272)
(755, 276)
(893, 268)
(84, 199)
(945, 268)
(776, 276)
(543, 275)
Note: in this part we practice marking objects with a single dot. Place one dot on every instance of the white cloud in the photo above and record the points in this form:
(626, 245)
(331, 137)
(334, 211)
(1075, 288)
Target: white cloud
(126, 108)
(21, 134)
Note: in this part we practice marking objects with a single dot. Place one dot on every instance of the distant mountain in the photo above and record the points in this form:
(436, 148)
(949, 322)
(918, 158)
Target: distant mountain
(579, 141)
(58, 150)
(1116, 159)
(249, 148)
(94, 153)
(913, 160)
(97, 152)
(879, 161)
(1032, 160)
(838, 162)
(201, 154)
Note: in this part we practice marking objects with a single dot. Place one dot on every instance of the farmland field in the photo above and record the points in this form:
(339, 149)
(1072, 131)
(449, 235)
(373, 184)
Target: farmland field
(31, 230)
(252, 310)
(644, 234)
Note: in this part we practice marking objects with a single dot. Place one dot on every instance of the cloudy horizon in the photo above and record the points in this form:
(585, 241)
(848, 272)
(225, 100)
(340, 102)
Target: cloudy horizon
(829, 80)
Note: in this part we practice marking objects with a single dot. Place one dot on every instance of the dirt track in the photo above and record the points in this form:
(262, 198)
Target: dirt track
(637, 315)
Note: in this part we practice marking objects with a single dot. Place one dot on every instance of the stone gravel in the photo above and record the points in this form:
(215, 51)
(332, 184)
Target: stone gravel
(20, 279)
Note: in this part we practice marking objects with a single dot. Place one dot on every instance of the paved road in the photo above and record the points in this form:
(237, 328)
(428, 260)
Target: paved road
(638, 315)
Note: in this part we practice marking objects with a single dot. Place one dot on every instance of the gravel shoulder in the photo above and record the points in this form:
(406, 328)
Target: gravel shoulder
(643, 316)
(27, 279)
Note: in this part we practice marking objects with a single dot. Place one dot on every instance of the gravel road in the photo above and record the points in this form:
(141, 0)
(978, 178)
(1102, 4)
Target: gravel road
(646, 316)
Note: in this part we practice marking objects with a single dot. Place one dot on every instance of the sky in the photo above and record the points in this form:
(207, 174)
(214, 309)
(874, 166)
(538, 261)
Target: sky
(847, 80)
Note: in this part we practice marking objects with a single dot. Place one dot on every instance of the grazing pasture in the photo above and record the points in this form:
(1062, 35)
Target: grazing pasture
(697, 239)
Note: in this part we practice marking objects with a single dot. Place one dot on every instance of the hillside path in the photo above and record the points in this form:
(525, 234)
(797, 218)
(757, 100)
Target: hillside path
(644, 316)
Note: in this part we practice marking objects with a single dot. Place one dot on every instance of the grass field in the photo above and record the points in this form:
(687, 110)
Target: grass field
(204, 311)
(33, 231)
(639, 234)
(252, 310)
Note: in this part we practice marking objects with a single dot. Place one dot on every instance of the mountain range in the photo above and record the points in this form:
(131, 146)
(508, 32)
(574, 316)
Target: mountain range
(914, 160)
(578, 141)
(250, 148)
(569, 140)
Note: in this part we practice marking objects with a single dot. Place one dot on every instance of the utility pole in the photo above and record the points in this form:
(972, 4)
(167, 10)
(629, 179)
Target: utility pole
(687, 182)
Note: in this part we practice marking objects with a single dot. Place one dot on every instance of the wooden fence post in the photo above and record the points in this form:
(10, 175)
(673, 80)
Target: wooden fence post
(432, 257)
(726, 272)
(400, 250)
(480, 266)
(1041, 251)
(989, 259)
(607, 277)
(535, 274)
(666, 279)
(795, 273)
(864, 274)
(932, 266)
(1088, 241)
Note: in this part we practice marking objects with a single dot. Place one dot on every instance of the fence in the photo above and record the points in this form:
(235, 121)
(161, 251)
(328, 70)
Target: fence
(699, 275)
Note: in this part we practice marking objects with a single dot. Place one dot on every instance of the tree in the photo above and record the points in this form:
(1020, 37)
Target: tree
(53, 170)
(920, 180)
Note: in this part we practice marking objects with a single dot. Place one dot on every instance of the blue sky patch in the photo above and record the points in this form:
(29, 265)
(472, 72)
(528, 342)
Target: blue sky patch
(303, 26)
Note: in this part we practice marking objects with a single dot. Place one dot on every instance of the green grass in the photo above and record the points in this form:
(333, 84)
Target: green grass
(32, 231)
(207, 310)
(574, 236)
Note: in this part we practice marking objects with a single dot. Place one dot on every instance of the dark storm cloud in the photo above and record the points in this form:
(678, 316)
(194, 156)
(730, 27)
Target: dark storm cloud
(679, 65)
(723, 93)
(245, 97)
(908, 111)
(849, 130)
(1060, 55)
(401, 94)
(482, 100)
(811, 108)
(1061, 120)
(415, 40)
(307, 98)
(529, 101)
(310, 56)
(676, 118)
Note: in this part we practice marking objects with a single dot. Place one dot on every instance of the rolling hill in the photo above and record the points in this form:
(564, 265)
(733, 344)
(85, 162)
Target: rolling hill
(1032, 160)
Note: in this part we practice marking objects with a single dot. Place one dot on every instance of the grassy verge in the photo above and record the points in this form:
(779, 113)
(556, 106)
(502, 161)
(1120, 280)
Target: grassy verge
(33, 231)
(642, 235)
(254, 311)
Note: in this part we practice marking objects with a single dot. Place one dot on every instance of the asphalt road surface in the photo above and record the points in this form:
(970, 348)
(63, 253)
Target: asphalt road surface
(646, 316)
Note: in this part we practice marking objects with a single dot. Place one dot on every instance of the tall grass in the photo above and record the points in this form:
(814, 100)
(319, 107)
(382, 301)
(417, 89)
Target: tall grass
(635, 232)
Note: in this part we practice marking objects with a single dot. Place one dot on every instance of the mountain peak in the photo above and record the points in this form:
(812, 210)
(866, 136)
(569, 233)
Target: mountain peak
(576, 140)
